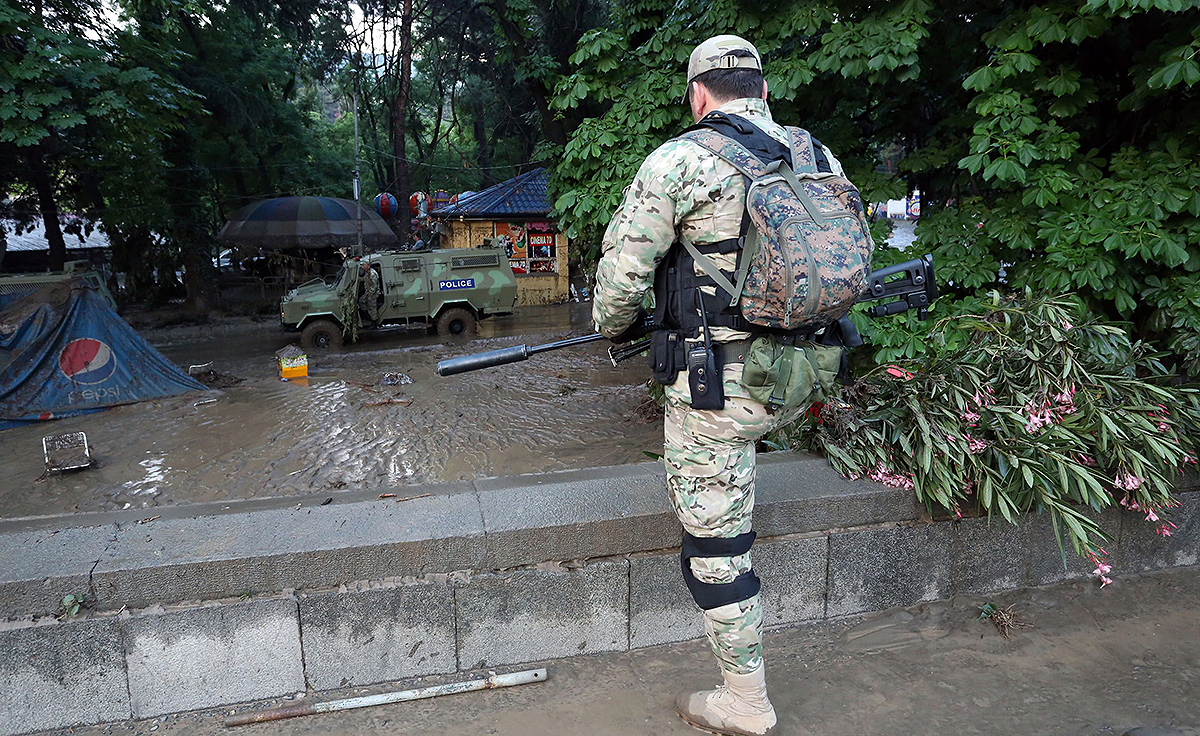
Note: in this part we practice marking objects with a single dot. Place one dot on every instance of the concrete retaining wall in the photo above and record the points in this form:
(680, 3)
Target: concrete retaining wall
(145, 661)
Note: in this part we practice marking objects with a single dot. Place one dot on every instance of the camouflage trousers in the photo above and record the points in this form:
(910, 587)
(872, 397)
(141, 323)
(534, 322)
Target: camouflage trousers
(709, 455)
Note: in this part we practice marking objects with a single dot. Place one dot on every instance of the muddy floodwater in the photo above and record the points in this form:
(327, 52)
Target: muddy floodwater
(345, 428)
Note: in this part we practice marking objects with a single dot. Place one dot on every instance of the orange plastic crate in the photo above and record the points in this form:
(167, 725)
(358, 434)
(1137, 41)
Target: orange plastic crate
(300, 371)
(293, 367)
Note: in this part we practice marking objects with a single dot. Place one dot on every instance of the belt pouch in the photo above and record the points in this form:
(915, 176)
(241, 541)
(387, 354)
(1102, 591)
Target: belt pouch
(663, 354)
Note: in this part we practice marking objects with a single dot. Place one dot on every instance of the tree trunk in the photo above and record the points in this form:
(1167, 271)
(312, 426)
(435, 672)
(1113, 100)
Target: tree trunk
(400, 121)
(518, 46)
(483, 158)
(44, 184)
(190, 229)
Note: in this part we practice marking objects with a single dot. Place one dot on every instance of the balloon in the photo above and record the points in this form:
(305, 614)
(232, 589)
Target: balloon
(418, 203)
(386, 205)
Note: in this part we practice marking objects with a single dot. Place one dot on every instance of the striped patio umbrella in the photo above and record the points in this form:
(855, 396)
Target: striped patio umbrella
(306, 222)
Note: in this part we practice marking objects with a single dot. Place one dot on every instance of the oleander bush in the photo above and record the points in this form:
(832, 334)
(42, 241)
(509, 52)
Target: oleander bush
(1025, 405)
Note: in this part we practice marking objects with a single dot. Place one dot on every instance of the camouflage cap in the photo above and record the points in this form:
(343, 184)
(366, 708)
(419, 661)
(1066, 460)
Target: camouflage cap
(715, 54)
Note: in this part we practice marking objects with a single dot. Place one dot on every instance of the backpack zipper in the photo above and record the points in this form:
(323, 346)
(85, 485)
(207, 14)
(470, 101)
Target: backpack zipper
(814, 284)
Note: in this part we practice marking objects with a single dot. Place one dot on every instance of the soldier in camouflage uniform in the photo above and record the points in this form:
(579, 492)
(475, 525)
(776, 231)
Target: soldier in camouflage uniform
(684, 190)
(368, 299)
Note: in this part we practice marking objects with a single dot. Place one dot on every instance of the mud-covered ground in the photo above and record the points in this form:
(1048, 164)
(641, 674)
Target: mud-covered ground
(343, 428)
(1092, 662)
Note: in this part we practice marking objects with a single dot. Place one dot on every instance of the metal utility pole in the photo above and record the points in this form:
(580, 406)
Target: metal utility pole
(358, 248)
(365, 701)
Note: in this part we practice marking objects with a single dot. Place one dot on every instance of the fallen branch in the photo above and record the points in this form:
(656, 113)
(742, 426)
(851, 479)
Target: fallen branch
(413, 498)
(385, 402)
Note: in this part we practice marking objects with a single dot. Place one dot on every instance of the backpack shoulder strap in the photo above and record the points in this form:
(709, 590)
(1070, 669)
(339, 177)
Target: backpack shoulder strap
(808, 155)
(729, 150)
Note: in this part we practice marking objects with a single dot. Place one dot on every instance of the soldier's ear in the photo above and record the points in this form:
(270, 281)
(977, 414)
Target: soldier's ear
(697, 99)
(764, 94)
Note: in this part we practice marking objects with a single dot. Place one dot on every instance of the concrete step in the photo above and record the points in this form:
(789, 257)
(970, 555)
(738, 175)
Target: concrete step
(932, 668)
(248, 603)
(210, 551)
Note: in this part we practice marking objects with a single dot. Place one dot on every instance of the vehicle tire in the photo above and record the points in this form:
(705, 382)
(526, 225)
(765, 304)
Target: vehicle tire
(320, 335)
(456, 323)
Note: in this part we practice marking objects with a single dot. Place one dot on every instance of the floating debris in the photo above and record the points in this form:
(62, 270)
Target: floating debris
(212, 378)
(385, 402)
(1004, 619)
(395, 379)
(67, 451)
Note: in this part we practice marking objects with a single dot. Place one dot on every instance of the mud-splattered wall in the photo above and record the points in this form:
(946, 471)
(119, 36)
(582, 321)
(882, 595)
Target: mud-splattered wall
(537, 253)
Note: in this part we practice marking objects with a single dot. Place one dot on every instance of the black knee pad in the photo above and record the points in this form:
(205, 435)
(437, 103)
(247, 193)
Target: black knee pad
(715, 595)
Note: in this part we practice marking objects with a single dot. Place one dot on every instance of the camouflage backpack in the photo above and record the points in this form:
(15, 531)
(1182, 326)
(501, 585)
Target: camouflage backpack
(807, 251)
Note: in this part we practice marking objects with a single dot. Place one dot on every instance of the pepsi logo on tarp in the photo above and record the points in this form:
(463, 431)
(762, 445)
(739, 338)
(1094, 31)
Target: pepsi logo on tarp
(87, 361)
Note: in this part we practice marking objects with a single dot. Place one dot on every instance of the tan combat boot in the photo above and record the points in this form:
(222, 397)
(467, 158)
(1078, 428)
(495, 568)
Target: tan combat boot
(738, 708)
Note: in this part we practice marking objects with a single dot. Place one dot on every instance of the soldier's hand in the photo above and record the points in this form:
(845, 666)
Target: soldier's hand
(639, 328)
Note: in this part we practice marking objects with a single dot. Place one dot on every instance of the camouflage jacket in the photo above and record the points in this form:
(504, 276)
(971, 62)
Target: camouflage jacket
(680, 188)
(370, 289)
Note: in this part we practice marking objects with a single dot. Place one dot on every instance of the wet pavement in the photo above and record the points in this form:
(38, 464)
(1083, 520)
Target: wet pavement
(344, 428)
(1092, 661)
(904, 234)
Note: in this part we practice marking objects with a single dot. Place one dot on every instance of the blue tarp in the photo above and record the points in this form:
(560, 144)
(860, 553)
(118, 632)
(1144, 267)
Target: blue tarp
(64, 351)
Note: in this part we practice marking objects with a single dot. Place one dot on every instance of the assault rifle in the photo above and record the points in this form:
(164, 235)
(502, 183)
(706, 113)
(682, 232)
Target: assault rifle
(905, 286)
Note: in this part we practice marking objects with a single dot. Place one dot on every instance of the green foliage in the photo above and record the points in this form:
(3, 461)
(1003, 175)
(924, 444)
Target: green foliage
(52, 82)
(157, 127)
(1054, 144)
(71, 605)
(1030, 407)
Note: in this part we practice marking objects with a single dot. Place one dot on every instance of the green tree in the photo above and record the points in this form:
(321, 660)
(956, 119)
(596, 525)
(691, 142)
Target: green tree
(64, 91)
(248, 127)
(1053, 142)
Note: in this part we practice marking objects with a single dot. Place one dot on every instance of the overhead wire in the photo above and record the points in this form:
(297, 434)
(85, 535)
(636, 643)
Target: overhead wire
(454, 168)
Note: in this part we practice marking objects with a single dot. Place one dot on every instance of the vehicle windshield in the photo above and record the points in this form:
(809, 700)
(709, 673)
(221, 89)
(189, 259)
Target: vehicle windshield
(337, 277)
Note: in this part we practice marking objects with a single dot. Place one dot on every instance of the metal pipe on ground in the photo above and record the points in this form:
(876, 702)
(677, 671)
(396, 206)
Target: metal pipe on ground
(293, 711)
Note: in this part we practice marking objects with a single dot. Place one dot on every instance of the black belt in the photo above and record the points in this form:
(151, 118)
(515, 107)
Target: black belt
(735, 352)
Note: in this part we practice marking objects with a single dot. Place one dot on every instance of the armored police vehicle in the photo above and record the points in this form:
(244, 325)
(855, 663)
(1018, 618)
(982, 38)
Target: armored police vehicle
(447, 289)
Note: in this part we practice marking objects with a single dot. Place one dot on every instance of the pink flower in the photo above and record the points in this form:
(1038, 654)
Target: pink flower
(893, 480)
(981, 400)
(971, 417)
(1129, 483)
(1039, 418)
(1102, 567)
(1066, 325)
(975, 445)
(1088, 461)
